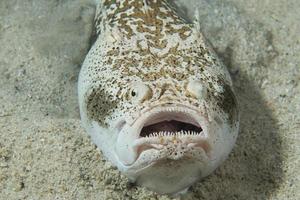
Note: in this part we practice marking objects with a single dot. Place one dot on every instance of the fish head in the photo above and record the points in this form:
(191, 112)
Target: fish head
(163, 133)
(176, 131)
(160, 107)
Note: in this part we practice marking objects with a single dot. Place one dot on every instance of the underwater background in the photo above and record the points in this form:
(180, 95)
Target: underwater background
(46, 154)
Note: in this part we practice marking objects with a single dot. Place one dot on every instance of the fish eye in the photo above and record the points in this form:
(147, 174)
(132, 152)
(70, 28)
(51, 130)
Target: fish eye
(140, 92)
(133, 93)
(196, 89)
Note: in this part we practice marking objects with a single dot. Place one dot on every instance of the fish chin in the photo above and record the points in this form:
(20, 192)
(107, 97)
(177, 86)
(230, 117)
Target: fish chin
(170, 176)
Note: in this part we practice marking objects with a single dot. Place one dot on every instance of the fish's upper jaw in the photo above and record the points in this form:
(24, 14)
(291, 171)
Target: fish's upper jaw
(173, 131)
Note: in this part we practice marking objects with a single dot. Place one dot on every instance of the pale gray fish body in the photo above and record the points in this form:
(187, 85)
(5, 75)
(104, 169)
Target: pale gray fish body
(154, 96)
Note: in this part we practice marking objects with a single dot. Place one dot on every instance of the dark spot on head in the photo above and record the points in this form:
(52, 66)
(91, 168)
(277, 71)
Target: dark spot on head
(228, 103)
(100, 105)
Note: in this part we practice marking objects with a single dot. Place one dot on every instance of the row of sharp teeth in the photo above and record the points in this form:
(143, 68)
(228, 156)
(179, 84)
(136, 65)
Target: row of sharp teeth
(178, 134)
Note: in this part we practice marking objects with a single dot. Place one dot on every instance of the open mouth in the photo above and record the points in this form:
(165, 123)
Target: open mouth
(168, 124)
(164, 131)
(172, 125)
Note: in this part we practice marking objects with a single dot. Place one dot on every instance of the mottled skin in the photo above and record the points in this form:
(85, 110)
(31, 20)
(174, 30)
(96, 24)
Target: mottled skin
(147, 56)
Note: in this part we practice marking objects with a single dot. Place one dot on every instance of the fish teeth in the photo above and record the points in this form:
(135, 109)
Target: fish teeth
(181, 133)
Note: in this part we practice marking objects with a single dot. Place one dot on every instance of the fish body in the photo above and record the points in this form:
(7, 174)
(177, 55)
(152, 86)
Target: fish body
(154, 96)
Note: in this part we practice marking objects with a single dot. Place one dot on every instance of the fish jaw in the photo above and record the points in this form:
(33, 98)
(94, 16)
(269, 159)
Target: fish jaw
(169, 147)
(158, 128)
(168, 176)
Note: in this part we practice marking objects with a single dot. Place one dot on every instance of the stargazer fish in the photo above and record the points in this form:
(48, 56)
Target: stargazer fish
(154, 96)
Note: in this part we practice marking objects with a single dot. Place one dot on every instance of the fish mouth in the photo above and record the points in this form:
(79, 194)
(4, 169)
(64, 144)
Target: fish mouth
(170, 126)
(166, 131)
(170, 123)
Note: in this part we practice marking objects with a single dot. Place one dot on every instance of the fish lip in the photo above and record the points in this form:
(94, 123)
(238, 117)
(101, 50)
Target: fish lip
(179, 108)
(164, 106)
(199, 140)
(187, 140)
(137, 168)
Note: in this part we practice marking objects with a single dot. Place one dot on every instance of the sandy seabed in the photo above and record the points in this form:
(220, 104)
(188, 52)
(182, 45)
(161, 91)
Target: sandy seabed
(45, 153)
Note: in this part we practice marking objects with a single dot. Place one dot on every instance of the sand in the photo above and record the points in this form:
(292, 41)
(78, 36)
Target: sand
(46, 154)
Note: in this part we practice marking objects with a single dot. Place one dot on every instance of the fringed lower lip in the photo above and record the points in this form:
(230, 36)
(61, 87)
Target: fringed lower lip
(192, 140)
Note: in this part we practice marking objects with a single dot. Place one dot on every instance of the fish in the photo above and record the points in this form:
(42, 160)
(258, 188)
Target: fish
(154, 96)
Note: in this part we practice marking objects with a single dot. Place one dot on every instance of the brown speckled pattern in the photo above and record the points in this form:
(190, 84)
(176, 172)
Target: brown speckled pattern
(147, 41)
